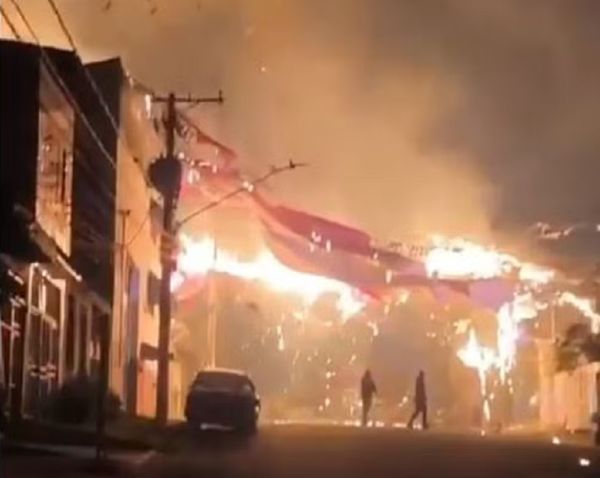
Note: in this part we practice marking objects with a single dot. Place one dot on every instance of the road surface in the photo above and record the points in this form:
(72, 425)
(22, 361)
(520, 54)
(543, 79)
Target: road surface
(323, 452)
(332, 452)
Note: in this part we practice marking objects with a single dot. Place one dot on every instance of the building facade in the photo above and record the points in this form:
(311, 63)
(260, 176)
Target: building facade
(36, 178)
(79, 248)
(137, 225)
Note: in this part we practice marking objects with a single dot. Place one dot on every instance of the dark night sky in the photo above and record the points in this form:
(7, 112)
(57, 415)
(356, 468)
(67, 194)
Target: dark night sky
(451, 116)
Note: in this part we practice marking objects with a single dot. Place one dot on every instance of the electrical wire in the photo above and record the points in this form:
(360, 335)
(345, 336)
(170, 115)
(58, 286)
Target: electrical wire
(66, 91)
(139, 229)
(247, 186)
(50, 115)
(92, 82)
(86, 72)
(56, 76)
(10, 24)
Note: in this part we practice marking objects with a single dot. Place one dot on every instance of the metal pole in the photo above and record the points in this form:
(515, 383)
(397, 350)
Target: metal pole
(162, 383)
(169, 187)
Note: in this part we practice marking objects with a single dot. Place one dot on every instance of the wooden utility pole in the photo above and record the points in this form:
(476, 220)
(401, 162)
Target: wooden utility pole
(165, 173)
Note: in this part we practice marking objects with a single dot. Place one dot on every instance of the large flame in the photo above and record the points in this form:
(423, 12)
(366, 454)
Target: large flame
(447, 258)
(482, 359)
(198, 257)
(503, 357)
(585, 306)
(460, 258)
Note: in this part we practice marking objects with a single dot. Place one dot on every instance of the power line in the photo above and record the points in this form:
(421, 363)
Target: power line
(49, 113)
(10, 24)
(139, 229)
(87, 74)
(91, 80)
(88, 228)
(49, 63)
(247, 186)
(67, 92)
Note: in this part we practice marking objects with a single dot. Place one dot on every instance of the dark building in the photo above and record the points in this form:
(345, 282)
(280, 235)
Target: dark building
(57, 223)
(36, 162)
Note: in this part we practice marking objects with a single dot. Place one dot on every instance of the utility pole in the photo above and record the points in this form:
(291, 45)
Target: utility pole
(165, 173)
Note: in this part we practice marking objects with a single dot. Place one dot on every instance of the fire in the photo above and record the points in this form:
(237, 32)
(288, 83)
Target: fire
(448, 258)
(460, 258)
(585, 306)
(510, 315)
(503, 357)
(476, 356)
(482, 359)
(201, 256)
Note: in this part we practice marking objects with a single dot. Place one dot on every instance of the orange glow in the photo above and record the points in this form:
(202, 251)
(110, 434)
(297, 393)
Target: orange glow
(585, 306)
(200, 256)
(460, 258)
(482, 359)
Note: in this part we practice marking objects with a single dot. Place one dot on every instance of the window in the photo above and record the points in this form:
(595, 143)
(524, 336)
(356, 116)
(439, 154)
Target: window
(55, 163)
(70, 336)
(82, 339)
(152, 291)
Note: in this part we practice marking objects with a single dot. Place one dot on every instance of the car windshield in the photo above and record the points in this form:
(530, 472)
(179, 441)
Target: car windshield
(223, 381)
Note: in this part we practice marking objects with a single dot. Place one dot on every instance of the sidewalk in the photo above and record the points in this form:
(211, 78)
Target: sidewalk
(27, 460)
(125, 434)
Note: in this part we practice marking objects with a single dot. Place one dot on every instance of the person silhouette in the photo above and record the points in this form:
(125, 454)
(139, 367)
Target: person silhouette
(367, 390)
(420, 402)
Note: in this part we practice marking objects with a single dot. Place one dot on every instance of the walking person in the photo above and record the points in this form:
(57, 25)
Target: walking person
(420, 402)
(367, 390)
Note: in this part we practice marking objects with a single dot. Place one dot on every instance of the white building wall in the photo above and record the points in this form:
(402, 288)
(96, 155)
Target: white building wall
(138, 245)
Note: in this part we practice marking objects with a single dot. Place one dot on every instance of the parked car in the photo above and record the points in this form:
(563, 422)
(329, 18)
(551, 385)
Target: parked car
(223, 397)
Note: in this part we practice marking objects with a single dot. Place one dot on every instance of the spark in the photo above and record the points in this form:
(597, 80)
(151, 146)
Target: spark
(280, 341)
(461, 326)
(584, 462)
(534, 400)
(555, 440)
(374, 328)
(402, 296)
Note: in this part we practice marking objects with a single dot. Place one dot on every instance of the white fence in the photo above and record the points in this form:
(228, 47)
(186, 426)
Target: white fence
(568, 399)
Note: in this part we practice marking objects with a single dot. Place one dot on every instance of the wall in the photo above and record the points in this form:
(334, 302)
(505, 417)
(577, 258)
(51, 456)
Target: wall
(569, 399)
(137, 260)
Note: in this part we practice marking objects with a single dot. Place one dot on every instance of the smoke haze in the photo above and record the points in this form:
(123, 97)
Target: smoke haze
(431, 116)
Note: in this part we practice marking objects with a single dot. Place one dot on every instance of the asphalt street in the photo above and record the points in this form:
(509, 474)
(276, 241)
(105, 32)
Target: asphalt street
(332, 452)
(302, 451)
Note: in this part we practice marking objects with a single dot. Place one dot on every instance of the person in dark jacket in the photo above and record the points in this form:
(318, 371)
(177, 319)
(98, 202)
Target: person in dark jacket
(367, 390)
(420, 401)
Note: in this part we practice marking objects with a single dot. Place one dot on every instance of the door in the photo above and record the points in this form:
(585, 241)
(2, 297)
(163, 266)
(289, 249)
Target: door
(131, 338)
(42, 350)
